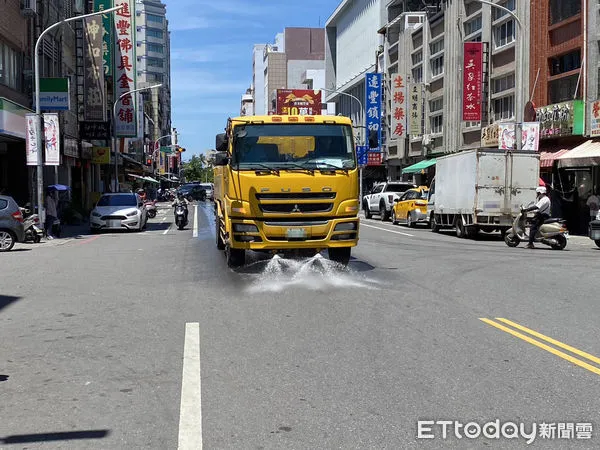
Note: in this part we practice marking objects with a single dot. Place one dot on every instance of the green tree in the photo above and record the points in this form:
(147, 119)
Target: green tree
(198, 169)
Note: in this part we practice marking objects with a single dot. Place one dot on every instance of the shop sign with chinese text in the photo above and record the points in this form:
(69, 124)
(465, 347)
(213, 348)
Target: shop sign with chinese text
(595, 119)
(101, 5)
(530, 139)
(489, 136)
(125, 74)
(399, 105)
(373, 105)
(561, 119)
(94, 131)
(54, 94)
(101, 155)
(31, 139)
(93, 80)
(374, 158)
(298, 102)
(472, 81)
(416, 109)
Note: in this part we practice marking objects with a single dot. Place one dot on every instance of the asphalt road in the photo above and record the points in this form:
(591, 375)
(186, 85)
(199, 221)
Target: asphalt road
(147, 340)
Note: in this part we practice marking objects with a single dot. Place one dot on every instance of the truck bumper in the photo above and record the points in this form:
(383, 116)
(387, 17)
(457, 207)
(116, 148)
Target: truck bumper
(273, 235)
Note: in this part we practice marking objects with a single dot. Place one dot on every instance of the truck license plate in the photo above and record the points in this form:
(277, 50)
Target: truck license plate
(296, 233)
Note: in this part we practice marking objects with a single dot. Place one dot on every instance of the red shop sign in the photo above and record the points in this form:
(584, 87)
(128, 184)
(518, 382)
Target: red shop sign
(472, 76)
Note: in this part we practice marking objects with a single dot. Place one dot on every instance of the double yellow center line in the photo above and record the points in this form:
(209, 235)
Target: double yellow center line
(546, 347)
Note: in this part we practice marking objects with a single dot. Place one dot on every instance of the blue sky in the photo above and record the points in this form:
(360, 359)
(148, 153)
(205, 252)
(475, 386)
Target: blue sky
(211, 57)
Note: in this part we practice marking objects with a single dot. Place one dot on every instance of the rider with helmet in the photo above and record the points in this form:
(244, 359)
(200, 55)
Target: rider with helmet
(542, 213)
(142, 194)
(181, 200)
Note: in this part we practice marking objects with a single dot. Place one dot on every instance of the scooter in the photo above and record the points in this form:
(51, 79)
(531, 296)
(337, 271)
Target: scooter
(150, 206)
(181, 216)
(553, 232)
(31, 226)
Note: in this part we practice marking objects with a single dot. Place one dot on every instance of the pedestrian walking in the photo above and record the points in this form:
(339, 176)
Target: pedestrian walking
(51, 212)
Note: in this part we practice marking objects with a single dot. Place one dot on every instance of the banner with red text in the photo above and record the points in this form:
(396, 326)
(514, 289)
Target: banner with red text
(472, 81)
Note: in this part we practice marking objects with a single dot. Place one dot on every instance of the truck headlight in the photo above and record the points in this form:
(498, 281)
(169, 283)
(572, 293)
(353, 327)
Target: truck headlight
(346, 226)
(245, 228)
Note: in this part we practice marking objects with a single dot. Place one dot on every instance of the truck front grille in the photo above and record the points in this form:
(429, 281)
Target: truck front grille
(289, 208)
(297, 196)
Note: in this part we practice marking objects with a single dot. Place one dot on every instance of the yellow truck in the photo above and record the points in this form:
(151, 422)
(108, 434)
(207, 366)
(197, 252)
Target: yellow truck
(286, 184)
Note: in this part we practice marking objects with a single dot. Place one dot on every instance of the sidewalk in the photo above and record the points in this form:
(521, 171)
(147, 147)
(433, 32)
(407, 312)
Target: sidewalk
(68, 234)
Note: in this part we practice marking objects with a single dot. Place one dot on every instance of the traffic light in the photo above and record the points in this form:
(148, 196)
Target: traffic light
(149, 161)
(180, 149)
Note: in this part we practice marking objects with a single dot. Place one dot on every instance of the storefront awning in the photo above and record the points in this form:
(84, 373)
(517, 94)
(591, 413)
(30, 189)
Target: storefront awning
(587, 154)
(12, 118)
(548, 158)
(418, 167)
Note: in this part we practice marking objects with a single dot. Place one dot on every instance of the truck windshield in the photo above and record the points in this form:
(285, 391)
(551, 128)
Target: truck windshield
(293, 146)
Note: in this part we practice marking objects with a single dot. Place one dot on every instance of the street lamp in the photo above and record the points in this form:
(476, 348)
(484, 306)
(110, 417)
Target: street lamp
(114, 128)
(38, 118)
(364, 138)
(519, 69)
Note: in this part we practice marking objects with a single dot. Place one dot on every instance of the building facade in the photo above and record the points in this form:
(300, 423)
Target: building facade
(258, 80)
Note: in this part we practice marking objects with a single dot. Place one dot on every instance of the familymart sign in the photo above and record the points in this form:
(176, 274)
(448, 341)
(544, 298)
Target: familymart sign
(54, 94)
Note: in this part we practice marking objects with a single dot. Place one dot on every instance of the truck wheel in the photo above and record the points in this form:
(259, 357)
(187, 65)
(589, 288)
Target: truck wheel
(367, 211)
(383, 213)
(597, 242)
(340, 255)
(220, 243)
(235, 257)
(460, 228)
(433, 224)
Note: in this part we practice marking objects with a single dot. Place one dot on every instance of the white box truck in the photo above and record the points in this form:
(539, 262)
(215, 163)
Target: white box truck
(481, 189)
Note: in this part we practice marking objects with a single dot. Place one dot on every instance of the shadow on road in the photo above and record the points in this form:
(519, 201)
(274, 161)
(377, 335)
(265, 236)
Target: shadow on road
(157, 226)
(6, 300)
(57, 436)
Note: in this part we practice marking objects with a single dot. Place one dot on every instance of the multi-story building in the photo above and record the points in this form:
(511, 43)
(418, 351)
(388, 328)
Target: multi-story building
(258, 80)
(247, 103)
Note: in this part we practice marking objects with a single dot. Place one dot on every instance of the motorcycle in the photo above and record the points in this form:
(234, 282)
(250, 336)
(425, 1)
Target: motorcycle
(31, 226)
(150, 206)
(181, 215)
(553, 232)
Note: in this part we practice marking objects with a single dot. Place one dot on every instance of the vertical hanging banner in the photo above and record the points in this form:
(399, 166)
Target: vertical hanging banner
(373, 106)
(52, 138)
(33, 131)
(101, 5)
(399, 106)
(416, 110)
(472, 81)
(125, 75)
(93, 80)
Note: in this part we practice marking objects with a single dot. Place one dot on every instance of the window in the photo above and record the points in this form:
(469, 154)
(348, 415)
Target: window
(498, 13)
(155, 48)
(417, 57)
(10, 67)
(504, 33)
(503, 84)
(563, 89)
(155, 62)
(504, 108)
(155, 33)
(3, 204)
(436, 47)
(437, 124)
(154, 76)
(417, 74)
(437, 66)
(473, 25)
(436, 105)
(563, 9)
(154, 18)
(565, 63)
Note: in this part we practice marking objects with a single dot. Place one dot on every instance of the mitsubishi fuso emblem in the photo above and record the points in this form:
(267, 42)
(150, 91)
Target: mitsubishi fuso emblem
(296, 209)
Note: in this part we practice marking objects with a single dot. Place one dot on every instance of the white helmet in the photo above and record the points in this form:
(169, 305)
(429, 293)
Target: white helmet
(541, 190)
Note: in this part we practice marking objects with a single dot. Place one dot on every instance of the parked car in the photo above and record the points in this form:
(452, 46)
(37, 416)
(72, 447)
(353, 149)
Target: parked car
(210, 190)
(11, 223)
(192, 191)
(381, 198)
(411, 208)
(122, 211)
(594, 230)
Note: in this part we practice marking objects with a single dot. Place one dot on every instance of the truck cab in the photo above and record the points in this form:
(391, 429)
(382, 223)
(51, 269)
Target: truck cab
(286, 184)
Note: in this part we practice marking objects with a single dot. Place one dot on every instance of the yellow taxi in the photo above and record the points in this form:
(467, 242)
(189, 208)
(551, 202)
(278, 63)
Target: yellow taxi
(411, 207)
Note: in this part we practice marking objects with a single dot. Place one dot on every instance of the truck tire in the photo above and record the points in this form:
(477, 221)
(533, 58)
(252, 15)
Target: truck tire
(220, 243)
(235, 257)
(461, 232)
(597, 242)
(340, 255)
(385, 215)
(367, 211)
(433, 224)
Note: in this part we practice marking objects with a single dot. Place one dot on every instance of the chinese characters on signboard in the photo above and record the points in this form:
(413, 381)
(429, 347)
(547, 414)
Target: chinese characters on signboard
(399, 106)
(489, 136)
(530, 139)
(298, 102)
(374, 159)
(472, 76)
(52, 138)
(595, 117)
(101, 5)
(373, 106)
(94, 130)
(125, 75)
(416, 109)
(93, 80)
(561, 119)
(33, 130)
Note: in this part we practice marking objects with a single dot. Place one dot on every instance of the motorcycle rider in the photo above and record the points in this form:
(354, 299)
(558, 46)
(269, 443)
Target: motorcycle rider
(181, 200)
(542, 213)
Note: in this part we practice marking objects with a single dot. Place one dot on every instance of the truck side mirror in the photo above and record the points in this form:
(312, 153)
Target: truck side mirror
(221, 159)
(373, 139)
(221, 142)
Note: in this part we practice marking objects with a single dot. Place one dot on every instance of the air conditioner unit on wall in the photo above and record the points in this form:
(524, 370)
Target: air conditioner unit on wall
(29, 7)
(426, 139)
